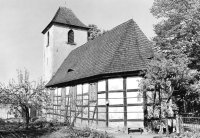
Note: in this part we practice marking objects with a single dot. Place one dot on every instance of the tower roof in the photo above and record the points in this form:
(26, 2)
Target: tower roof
(121, 50)
(65, 16)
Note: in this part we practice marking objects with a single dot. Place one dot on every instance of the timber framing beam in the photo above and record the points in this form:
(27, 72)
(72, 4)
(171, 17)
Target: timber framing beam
(125, 102)
(107, 113)
(82, 110)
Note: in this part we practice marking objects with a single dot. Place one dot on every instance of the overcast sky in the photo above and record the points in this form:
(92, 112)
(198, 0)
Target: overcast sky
(21, 23)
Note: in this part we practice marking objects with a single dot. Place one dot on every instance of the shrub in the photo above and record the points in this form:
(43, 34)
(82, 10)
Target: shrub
(40, 122)
(90, 133)
(186, 134)
(34, 118)
(2, 122)
(97, 134)
(54, 122)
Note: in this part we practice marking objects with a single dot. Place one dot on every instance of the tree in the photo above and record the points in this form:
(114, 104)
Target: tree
(170, 76)
(76, 108)
(169, 80)
(23, 95)
(94, 32)
(179, 27)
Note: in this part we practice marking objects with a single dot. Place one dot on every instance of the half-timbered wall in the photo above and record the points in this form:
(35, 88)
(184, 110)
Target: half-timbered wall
(113, 102)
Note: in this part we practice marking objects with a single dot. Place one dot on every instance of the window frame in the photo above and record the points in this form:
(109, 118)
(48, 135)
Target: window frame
(70, 37)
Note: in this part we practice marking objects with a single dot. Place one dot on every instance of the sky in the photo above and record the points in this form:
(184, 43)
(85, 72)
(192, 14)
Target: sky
(21, 23)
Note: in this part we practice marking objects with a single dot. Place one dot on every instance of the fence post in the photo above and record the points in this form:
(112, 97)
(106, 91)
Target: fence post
(177, 123)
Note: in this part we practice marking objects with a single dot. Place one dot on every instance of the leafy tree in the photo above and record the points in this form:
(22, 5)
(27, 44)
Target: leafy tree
(75, 103)
(169, 80)
(169, 75)
(23, 95)
(179, 27)
(94, 31)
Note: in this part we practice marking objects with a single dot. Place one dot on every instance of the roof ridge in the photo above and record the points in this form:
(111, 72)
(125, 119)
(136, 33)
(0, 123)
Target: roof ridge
(128, 21)
(65, 16)
(62, 8)
(103, 35)
(121, 41)
(93, 41)
(114, 52)
(138, 33)
(56, 14)
(140, 55)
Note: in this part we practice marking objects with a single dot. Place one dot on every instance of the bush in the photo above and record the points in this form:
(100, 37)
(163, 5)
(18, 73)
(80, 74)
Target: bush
(186, 135)
(2, 122)
(89, 133)
(40, 122)
(34, 118)
(54, 122)
(97, 134)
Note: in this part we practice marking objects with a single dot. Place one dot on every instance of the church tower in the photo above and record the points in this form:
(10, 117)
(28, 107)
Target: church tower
(63, 34)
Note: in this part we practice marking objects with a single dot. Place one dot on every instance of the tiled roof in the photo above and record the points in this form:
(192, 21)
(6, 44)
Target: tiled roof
(65, 16)
(123, 49)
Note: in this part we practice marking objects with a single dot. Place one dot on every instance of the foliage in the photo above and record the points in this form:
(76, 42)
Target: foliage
(75, 102)
(177, 37)
(186, 135)
(84, 132)
(94, 32)
(179, 27)
(168, 80)
(15, 130)
(2, 122)
(40, 122)
(24, 95)
(169, 75)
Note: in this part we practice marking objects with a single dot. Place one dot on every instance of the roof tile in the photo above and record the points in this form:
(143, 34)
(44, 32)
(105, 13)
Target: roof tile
(66, 16)
(124, 48)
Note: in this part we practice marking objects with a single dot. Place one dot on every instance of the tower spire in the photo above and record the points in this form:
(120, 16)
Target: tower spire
(65, 3)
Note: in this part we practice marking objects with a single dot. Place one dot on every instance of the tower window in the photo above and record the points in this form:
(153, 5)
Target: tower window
(71, 37)
(48, 39)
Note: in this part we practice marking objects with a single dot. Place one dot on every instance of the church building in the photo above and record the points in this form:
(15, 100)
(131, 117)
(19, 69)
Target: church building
(95, 82)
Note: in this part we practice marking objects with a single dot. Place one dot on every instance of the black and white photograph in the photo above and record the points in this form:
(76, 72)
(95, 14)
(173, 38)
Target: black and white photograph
(100, 69)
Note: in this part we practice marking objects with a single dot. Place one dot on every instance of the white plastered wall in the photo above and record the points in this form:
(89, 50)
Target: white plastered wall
(58, 49)
(135, 114)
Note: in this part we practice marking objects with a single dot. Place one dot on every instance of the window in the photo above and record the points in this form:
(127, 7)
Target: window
(73, 99)
(52, 95)
(71, 37)
(48, 39)
(93, 91)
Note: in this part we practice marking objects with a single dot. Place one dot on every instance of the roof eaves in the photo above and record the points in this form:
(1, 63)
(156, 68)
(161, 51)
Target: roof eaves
(62, 24)
(95, 78)
(55, 81)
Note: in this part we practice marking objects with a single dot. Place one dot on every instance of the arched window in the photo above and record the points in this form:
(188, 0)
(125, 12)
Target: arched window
(71, 37)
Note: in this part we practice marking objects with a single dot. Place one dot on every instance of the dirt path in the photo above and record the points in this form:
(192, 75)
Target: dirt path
(117, 134)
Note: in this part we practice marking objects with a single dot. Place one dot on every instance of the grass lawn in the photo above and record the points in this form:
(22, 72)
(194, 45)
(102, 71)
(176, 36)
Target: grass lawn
(48, 130)
(17, 130)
